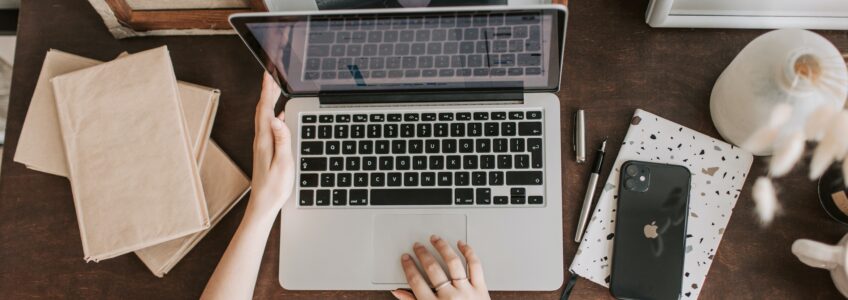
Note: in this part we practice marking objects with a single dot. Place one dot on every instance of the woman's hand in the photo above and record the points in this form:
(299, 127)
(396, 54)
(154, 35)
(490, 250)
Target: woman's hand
(273, 162)
(453, 285)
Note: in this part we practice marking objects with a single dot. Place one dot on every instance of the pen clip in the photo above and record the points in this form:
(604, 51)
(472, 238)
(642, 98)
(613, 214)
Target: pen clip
(574, 131)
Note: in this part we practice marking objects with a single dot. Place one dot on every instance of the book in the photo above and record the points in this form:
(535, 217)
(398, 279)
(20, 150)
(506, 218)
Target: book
(133, 175)
(40, 146)
(718, 174)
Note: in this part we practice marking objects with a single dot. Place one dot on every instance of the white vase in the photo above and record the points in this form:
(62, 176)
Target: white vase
(791, 66)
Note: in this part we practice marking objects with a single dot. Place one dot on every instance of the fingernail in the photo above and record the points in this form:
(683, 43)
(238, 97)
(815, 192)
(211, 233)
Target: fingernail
(405, 257)
(276, 124)
(434, 238)
(416, 245)
(461, 243)
(395, 293)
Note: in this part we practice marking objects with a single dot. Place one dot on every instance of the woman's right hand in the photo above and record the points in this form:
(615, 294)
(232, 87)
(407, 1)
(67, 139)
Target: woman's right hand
(453, 285)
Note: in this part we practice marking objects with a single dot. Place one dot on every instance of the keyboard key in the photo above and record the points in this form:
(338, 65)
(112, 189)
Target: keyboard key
(483, 196)
(325, 119)
(407, 130)
(463, 196)
(534, 115)
(307, 132)
(391, 130)
(366, 147)
(360, 179)
(469, 162)
(357, 131)
(424, 130)
(428, 117)
(445, 116)
(375, 131)
(508, 129)
(522, 161)
(419, 162)
(431, 146)
(398, 146)
(333, 147)
(348, 147)
(504, 162)
(344, 179)
(428, 179)
(516, 115)
(306, 197)
(475, 129)
(461, 178)
(377, 118)
(478, 178)
(378, 179)
(500, 145)
(491, 129)
(457, 130)
(481, 116)
(340, 131)
(308, 180)
(516, 145)
(534, 145)
(496, 178)
(336, 163)
(312, 148)
(411, 117)
(453, 162)
(339, 197)
(483, 145)
(440, 130)
(328, 180)
(530, 128)
(402, 163)
(517, 200)
(524, 178)
(313, 163)
(308, 119)
(501, 200)
(358, 197)
(487, 162)
(463, 116)
(445, 179)
(387, 163)
(394, 117)
(342, 118)
(325, 131)
(394, 179)
(431, 196)
(535, 200)
(369, 163)
(322, 198)
(466, 146)
(437, 162)
(517, 192)
(381, 147)
(352, 163)
(410, 179)
(499, 115)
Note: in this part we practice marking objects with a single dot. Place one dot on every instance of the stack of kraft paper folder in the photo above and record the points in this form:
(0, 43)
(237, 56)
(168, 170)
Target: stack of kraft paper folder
(134, 143)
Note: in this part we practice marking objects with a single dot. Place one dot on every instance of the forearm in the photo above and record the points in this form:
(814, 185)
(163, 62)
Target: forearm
(235, 275)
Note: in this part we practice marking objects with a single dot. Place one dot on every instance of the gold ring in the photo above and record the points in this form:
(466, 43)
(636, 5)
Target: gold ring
(441, 285)
(463, 278)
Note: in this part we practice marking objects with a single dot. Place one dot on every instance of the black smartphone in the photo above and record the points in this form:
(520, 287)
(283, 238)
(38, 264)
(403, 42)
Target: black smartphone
(650, 231)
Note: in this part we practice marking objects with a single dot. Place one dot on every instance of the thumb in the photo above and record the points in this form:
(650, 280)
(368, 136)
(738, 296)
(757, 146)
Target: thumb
(403, 295)
(282, 142)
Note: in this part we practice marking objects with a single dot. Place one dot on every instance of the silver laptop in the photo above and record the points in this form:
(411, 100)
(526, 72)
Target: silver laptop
(412, 122)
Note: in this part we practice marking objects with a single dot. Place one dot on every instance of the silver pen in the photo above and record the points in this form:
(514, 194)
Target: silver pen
(578, 138)
(590, 191)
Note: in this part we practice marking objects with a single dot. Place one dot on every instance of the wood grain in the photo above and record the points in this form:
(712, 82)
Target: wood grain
(144, 20)
(614, 63)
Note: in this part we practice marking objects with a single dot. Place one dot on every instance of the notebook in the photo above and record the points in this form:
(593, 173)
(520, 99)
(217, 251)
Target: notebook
(40, 146)
(133, 175)
(718, 174)
(224, 185)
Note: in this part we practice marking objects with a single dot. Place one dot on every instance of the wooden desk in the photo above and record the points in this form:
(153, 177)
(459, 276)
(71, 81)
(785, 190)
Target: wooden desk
(614, 63)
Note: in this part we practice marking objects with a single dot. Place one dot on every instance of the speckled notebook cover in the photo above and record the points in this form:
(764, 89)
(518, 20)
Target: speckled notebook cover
(718, 173)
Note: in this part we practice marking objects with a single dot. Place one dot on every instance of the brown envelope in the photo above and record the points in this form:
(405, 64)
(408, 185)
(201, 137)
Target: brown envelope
(133, 176)
(40, 146)
(224, 184)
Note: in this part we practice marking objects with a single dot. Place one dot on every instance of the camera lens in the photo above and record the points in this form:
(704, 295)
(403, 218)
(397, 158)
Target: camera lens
(632, 170)
(630, 184)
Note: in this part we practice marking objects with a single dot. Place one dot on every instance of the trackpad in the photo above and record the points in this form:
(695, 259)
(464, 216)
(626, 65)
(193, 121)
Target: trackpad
(394, 235)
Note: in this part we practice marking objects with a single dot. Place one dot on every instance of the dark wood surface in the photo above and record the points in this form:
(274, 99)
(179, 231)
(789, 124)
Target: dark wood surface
(614, 63)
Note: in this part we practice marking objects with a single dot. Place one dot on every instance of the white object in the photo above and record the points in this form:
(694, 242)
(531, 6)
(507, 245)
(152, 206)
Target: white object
(791, 66)
(829, 257)
(719, 172)
(308, 5)
(810, 14)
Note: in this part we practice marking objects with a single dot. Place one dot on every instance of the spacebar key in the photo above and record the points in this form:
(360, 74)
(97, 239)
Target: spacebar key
(524, 178)
(411, 197)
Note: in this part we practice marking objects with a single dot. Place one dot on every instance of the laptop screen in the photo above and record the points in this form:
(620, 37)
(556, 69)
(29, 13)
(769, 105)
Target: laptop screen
(397, 50)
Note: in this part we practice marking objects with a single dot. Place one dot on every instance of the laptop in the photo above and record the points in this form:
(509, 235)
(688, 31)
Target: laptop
(412, 122)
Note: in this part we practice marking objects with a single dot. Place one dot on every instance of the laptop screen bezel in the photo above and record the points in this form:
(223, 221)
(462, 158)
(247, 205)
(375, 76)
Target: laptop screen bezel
(240, 23)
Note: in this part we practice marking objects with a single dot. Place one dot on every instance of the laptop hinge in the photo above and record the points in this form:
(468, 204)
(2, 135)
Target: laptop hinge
(512, 95)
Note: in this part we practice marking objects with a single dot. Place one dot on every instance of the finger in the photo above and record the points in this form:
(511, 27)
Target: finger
(413, 277)
(403, 295)
(430, 265)
(267, 100)
(282, 143)
(455, 267)
(475, 268)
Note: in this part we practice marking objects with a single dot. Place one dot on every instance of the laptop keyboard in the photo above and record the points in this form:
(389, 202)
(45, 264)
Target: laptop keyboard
(459, 159)
(478, 45)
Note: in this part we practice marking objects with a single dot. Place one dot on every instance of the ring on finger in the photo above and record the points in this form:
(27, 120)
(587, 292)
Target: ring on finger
(458, 279)
(442, 285)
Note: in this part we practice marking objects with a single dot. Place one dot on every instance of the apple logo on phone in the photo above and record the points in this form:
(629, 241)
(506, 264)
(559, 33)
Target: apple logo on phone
(651, 230)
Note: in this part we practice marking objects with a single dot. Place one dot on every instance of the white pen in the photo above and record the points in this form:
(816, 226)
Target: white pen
(590, 191)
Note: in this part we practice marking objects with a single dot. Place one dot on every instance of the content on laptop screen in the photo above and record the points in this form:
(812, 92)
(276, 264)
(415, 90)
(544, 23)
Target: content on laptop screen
(403, 51)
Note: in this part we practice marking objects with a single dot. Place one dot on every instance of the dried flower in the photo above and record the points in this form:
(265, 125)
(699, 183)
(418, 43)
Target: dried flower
(832, 147)
(763, 139)
(787, 154)
(818, 122)
(765, 197)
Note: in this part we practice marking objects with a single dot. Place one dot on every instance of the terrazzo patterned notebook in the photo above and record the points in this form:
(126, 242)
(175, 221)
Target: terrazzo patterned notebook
(718, 173)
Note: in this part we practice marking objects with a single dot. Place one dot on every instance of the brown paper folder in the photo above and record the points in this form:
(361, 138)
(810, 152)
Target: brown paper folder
(40, 146)
(224, 184)
(133, 175)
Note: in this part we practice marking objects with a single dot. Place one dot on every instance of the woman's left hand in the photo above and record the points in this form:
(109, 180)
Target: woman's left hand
(273, 162)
